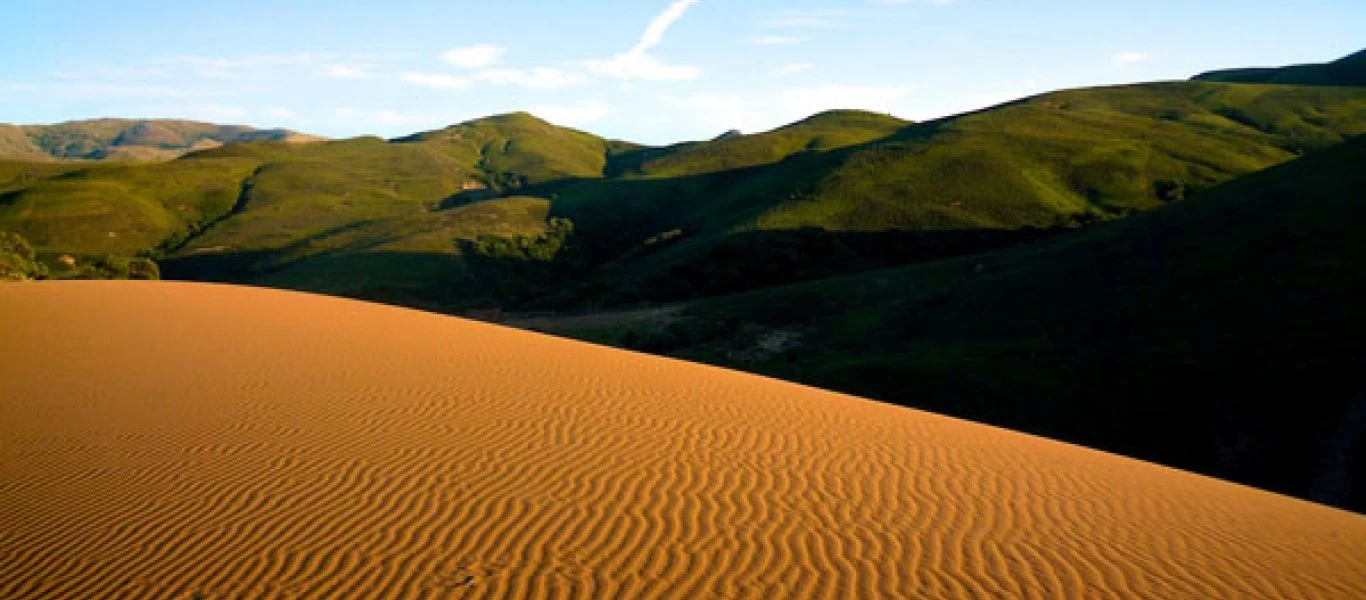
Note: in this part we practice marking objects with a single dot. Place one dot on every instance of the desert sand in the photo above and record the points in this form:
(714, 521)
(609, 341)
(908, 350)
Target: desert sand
(174, 440)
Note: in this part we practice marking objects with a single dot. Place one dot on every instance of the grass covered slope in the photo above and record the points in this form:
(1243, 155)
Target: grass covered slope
(1214, 335)
(1056, 160)
(339, 448)
(1348, 71)
(98, 209)
(825, 131)
(16, 145)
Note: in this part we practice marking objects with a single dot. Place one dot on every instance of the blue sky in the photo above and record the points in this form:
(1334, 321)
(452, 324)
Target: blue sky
(645, 70)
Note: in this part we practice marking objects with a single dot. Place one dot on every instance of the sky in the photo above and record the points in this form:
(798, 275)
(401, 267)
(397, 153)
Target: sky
(649, 71)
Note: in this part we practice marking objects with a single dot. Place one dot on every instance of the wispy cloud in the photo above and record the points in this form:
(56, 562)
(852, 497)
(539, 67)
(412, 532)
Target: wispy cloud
(777, 40)
(538, 78)
(573, 115)
(793, 68)
(368, 119)
(474, 57)
(898, 2)
(107, 90)
(121, 73)
(229, 67)
(279, 112)
(820, 18)
(438, 81)
(722, 111)
(338, 71)
(1128, 58)
(637, 63)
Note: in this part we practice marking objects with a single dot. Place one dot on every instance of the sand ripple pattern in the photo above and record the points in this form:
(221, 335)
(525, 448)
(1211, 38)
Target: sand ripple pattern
(167, 440)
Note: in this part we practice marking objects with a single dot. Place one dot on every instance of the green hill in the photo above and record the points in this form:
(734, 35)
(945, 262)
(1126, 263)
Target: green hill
(98, 209)
(1349, 71)
(1219, 335)
(128, 139)
(518, 149)
(836, 193)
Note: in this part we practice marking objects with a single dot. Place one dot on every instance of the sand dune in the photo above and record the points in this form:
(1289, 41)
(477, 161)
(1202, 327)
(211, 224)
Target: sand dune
(162, 440)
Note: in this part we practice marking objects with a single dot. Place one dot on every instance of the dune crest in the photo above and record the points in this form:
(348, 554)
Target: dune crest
(162, 440)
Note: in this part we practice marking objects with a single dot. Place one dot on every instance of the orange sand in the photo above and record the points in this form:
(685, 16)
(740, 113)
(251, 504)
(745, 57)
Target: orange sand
(159, 440)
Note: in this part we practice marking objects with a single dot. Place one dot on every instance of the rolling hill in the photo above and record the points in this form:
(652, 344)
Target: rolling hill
(1348, 71)
(230, 442)
(1052, 161)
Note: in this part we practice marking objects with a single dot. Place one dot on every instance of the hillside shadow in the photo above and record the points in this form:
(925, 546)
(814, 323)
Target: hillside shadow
(753, 260)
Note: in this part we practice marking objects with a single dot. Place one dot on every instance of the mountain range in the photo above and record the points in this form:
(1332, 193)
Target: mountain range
(129, 140)
(1165, 270)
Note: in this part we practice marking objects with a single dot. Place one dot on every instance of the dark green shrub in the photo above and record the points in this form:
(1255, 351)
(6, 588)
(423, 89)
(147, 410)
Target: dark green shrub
(18, 260)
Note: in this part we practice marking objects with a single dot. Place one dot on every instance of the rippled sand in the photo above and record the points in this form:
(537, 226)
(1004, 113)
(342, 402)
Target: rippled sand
(162, 440)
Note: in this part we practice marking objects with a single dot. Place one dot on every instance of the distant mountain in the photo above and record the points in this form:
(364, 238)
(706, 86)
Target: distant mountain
(128, 139)
(15, 144)
(1349, 71)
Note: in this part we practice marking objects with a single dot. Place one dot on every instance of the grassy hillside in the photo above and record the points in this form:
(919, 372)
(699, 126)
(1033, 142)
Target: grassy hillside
(839, 192)
(1052, 161)
(1217, 335)
(129, 139)
(518, 149)
(1348, 71)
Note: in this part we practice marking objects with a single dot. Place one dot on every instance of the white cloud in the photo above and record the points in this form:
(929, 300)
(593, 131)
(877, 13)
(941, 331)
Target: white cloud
(725, 111)
(474, 57)
(805, 101)
(337, 71)
(793, 68)
(122, 73)
(387, 118)
(637, 64)
(776, 40)
(539, 78)
(896, 2)
(278, 112)
(221, 67)
(439, 81)
(1127, 58)
(573, 115)
(641, 66)
(107, 90)
(808, 19)
(719, 112)
(213, 112)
